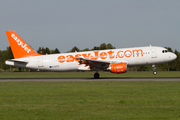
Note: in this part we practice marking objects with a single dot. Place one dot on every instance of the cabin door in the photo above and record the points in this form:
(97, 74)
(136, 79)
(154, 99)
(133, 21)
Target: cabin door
(153, 53)
(40, 62)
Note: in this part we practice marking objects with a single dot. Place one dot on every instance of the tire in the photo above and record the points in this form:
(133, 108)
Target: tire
(155, 73)
(96, 75)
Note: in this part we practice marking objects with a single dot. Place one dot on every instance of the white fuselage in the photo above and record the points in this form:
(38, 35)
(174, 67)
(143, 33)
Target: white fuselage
(67, 61)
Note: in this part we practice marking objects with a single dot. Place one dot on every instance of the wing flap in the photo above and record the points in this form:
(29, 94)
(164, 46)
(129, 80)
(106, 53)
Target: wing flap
(90, 60)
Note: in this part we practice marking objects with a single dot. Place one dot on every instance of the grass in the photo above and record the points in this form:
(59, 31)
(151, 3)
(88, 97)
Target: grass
(85, 74)
(89, 100)
(94, 100)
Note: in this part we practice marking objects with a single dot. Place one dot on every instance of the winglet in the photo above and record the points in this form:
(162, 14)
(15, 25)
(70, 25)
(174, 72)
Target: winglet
(18, 46)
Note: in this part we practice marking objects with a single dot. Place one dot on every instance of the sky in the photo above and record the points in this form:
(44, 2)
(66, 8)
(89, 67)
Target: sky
(64, 24)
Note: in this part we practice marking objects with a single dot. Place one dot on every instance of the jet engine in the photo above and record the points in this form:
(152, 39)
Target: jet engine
(118, 67)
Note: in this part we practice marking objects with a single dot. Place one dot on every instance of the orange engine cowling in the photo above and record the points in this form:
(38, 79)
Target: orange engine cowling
(118, 67)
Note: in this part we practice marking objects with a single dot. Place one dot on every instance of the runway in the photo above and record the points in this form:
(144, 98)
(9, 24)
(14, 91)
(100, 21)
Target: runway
(88, 79)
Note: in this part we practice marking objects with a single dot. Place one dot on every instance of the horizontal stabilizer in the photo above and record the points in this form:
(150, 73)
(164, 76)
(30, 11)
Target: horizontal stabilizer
(17, 60)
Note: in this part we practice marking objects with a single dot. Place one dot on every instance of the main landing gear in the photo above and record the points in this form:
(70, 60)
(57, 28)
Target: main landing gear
(96, 75)
(154, 69)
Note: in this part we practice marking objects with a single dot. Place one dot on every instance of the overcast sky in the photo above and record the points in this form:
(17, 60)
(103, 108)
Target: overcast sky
(64, 24)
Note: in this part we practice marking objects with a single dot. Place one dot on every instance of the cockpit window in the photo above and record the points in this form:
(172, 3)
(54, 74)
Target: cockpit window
(165, 51)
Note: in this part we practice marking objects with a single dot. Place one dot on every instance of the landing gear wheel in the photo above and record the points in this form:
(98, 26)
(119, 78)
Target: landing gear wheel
(96, 75)
(155, 73)
(154, 69)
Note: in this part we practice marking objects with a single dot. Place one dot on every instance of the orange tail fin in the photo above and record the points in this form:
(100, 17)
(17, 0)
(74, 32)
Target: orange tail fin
(18, 46)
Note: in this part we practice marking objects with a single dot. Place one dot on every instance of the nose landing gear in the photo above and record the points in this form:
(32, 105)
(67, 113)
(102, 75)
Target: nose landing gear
(154, 69)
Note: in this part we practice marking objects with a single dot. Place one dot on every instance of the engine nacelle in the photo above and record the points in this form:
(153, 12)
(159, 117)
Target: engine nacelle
(118, 68)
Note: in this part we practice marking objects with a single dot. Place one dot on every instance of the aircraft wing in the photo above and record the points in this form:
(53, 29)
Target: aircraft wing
(93, 64)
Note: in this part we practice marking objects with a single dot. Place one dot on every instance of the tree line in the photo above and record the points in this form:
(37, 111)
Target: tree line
(171, 66)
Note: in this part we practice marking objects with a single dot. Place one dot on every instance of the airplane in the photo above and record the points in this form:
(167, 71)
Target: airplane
(113, 60)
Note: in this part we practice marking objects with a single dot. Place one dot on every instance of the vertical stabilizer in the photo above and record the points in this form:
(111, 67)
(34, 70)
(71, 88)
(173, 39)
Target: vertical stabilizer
(18, 46)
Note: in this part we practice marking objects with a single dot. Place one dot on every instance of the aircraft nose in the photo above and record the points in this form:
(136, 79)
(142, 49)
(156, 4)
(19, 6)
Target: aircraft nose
(174, 56)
